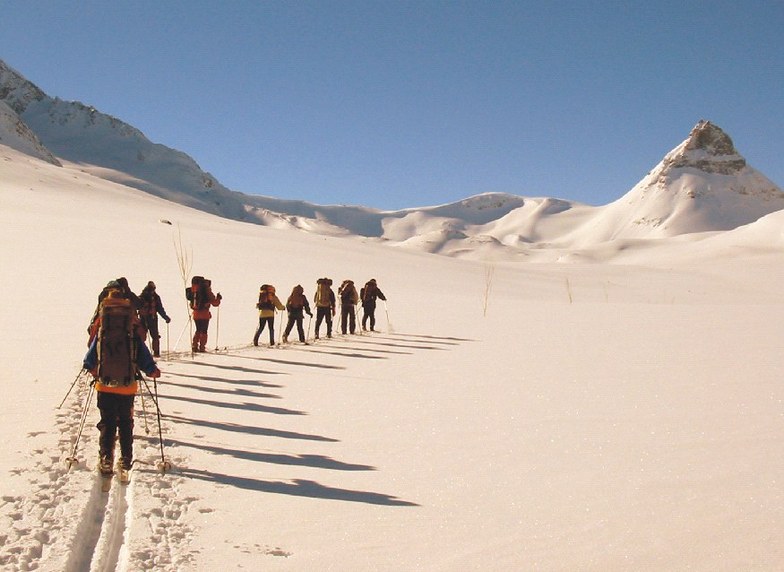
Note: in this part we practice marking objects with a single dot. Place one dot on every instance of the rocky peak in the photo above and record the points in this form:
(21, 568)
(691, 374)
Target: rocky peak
(707, 149)
(17, 91)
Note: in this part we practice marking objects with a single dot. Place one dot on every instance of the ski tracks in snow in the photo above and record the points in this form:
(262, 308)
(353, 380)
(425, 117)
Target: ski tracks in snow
(65, 521)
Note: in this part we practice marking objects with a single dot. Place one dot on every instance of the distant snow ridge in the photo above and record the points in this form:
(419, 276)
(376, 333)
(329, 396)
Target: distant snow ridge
(703, 184)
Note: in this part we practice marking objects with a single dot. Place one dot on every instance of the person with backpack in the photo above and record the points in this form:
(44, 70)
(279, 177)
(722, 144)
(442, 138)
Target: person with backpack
(348, 302)
(296, 306)
(200, 296)
(324, 300)
(368, 295)
(148, 313)
(267, 304)
(116, 355)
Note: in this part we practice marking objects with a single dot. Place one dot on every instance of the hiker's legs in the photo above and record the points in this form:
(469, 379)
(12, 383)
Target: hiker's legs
(125, 425)
(107, 426)
(260, 329)
(200, 337)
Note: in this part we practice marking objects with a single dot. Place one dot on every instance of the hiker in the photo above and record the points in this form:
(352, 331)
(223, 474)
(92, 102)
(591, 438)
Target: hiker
(297, 306)
(115, 356)
(368, 295)
(200, 296)
(151, 307)
(348, 302)
(324, 300)
(267, 304)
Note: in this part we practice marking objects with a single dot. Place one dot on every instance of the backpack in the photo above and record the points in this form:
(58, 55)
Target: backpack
(198, 293)
(116, 341)
(297, 299)
(322, 297)
(348, 293)
(266, 292)
(369, 291)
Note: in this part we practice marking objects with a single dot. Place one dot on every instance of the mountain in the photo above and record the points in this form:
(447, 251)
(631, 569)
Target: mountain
(703, 184)
(16, 134)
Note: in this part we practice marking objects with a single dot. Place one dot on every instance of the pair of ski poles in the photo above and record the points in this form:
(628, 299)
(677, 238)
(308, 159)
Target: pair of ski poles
(72, 460)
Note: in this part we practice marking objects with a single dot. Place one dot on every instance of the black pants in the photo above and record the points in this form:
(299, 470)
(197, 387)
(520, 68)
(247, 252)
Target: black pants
(150, 323)
(116, 413)
(370, 314)
(300, 330)
(348, 318)
(324, 313)
(262, 322)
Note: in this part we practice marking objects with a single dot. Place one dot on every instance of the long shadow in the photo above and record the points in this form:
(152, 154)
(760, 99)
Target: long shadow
(238, 368)
(339, 345)
(240, 392)
(245, 406)
(449, 340)
(340, 342)
(344, 354)
(290, 362)
(314, 461)
(223, 380)
(396, 344)
(299, 488)
(249, 430)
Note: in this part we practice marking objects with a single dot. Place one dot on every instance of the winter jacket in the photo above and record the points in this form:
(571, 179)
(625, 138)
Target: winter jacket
(152, 305)
(369, 293)
(273, 303)
(204, 313)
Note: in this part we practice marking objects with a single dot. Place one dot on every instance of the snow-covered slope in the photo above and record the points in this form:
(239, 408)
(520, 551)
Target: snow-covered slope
(536, 417)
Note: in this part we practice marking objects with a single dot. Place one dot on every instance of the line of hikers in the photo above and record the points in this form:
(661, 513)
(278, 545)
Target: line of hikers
(324, 299)
(122, 320)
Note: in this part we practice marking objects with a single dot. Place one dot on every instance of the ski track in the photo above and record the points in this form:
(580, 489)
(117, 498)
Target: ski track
(69, 519)
(137, 526)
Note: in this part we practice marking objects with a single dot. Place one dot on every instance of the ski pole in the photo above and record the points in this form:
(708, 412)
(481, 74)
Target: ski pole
(217, 329)
(280, 332)
(389, 324)
(168, 351)
(72, 460)
(144, 414)
(164, 465)
(310, 321)
(78, 375)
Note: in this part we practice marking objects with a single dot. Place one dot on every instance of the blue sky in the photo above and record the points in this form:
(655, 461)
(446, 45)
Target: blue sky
(413, 103)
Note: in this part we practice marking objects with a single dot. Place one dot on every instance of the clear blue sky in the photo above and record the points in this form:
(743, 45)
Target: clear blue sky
(412, 103)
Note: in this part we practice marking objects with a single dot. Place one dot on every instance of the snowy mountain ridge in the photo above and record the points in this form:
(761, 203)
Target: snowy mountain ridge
(702, 185)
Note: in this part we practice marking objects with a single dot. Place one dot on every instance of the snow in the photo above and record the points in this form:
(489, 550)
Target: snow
(619, 412)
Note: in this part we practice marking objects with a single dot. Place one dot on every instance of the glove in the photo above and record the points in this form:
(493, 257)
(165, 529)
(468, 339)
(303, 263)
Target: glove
(167, 319)
(156, 373)
(219, 297)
